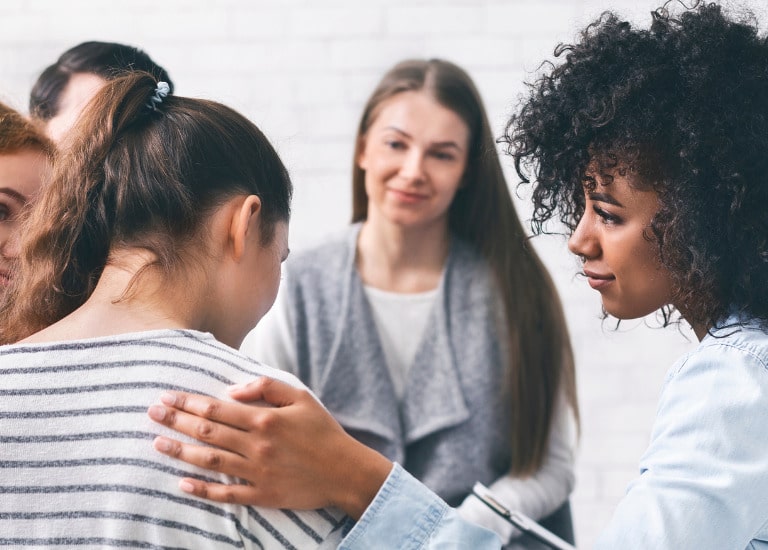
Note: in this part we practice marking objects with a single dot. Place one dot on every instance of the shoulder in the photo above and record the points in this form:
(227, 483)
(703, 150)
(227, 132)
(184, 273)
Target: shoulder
(466, 261)
(235, 365)
(705, 464)
(464, 253)
(722, 383)
(730, 348)
(469, 273)
(748, 340)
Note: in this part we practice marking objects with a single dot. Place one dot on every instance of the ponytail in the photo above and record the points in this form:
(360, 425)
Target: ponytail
(140, 169)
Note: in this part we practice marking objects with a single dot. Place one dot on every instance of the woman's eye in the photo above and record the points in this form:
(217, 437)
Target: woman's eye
(443, 155)
(606, 217)
(396, 145)
(5, 213)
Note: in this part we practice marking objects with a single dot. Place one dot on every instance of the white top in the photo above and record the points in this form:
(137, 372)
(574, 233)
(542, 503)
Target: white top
(77, 467)
(400, 321)
(538, 495)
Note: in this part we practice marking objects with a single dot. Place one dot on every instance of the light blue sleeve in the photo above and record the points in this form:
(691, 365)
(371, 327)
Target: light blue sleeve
(405, 515)
(704, 478)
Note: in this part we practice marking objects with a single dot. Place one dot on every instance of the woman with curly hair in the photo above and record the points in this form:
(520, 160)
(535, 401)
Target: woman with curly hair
(651, 146)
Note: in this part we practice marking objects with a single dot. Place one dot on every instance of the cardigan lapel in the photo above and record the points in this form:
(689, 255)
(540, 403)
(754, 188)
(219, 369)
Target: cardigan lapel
(356, 385)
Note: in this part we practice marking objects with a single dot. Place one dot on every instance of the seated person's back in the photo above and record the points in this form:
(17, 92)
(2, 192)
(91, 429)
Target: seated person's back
(77, 447)
(155, 247)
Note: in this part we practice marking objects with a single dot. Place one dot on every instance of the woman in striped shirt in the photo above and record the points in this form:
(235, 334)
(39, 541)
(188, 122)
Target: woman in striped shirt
(153, 250)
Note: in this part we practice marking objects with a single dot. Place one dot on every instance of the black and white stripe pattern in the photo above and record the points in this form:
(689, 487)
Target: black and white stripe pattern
(78, 467)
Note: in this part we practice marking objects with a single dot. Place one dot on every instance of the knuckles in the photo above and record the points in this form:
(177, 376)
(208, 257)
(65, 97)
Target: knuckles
(266, 421)
(211, 410)
(212, 460)
(229, 495)
(175, 450)
(205, 430)
(180, 401)
(170, 417)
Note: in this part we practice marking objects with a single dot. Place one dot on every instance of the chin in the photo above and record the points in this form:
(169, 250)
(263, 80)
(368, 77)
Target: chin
(625, 313)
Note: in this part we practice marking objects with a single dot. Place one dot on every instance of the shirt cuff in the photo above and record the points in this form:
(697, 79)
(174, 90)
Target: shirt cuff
(406, 515)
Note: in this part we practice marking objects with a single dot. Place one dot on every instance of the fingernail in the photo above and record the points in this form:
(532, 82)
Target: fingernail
(156, 412)
(169, 399)
(186, 486)
(236, 387)
(163, 445)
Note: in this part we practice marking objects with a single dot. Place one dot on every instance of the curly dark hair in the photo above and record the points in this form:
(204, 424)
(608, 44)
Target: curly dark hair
(684, 105)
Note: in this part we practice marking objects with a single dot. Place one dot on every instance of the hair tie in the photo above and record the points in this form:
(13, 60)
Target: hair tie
(162, 90)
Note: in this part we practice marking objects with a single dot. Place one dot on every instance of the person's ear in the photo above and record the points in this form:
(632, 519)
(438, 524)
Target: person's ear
(244, 222)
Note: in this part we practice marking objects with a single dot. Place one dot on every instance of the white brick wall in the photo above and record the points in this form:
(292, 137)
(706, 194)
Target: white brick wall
(301, 69)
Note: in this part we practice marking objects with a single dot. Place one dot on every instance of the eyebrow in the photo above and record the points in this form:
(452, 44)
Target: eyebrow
(604, 197)
(437, 144)
(13, 194)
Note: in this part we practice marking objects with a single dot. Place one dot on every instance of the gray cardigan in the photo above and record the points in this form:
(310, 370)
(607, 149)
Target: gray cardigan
(451, 428)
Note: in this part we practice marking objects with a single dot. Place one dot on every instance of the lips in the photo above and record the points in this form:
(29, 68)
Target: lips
(407, 196)
(598, 281)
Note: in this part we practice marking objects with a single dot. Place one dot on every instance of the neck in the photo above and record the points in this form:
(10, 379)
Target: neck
(402, 259)
(700, 331)
(123, 302)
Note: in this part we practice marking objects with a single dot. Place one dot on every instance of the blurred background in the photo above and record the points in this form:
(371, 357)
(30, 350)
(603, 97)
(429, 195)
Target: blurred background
(302, 69)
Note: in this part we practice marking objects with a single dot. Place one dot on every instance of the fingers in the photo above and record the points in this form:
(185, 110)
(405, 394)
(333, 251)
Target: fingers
(232, 414)
(269, 390)
(236, 494)
(202, 429)
(211, 458)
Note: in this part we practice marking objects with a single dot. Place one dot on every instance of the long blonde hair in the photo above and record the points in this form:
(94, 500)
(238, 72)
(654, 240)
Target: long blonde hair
(540, 358)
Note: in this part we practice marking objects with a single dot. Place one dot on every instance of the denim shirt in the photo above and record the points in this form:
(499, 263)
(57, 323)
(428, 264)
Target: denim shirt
(704, 477)
(703, 480)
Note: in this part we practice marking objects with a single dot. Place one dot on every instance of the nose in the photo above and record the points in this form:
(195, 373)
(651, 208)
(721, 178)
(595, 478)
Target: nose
(9, 244)
(583, 241)
(412, 168)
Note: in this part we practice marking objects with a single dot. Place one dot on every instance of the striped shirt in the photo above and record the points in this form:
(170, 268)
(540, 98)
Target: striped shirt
(77, 464)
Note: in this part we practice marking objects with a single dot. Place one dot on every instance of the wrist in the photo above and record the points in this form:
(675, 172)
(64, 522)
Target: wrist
(360, 479)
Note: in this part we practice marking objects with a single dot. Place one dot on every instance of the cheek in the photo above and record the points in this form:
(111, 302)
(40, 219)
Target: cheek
(646, 255)
(645, 269)
(9, 240)
(374, 185)
(276, 273)
(450, 186)
(270, 293)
